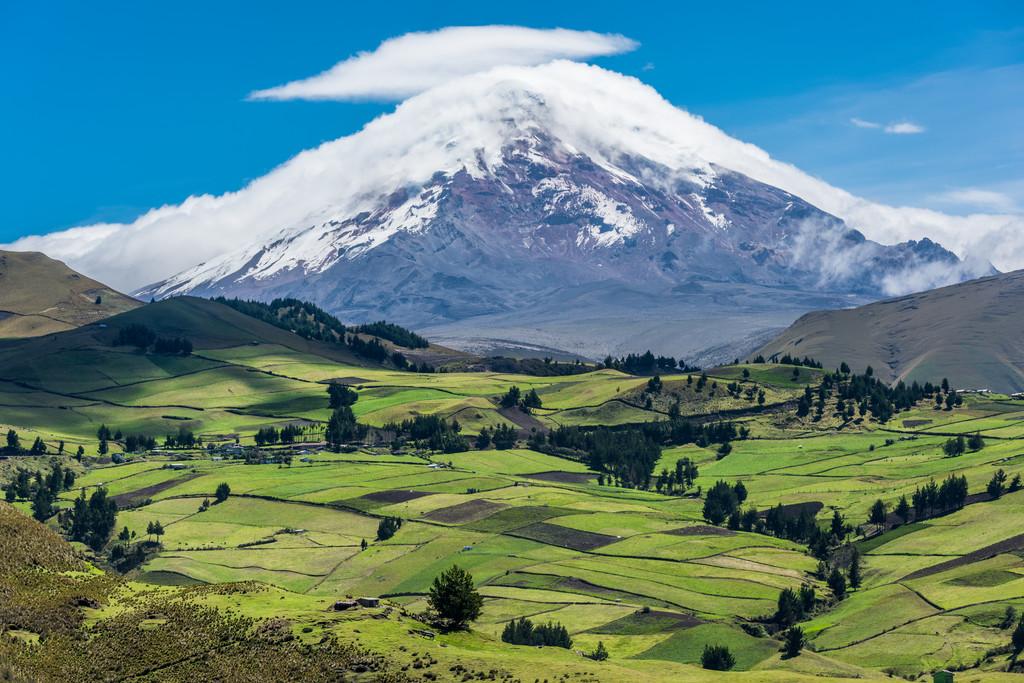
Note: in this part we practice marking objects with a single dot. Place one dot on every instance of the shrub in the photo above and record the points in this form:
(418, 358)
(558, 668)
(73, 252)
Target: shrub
(600, 654)
(388, 527)
(794, 641)
(717, 658)
(223, 491)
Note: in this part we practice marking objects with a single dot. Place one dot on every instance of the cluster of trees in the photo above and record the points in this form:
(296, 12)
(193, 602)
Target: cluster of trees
(394, 334)
(779, 521)
(522, 632)
(628, 456)
(14, 446)
(801, 527)
(92, 520)
(342, 428)
(503, 437)
(723, 501)
(41, 490)
(137, 335)
(312, 322)
(933, 499)
(372, 349)
(173, 346)
(536, 367)
(430, 431)
(804, 362)
(155, 529)
(863, 394)
(647, 364)
(794, 605)
(959, 445)
(679, 432)
(677, 481)
(735, 389)
(268, 436)
(121, 554)
(997, 484)
(301, 317)
(388, 527)
(183, 439)
(515, 398)
(134, 443)
(142, 337)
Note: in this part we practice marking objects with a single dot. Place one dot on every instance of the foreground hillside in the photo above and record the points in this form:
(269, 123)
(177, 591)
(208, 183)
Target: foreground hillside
(39, 295)
(971, 331)
(262, 482)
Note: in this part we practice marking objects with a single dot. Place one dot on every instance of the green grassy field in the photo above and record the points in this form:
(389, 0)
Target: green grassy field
(541, 536)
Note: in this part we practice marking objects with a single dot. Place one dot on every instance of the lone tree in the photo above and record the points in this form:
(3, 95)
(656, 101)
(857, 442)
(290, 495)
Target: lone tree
(794, 642)
(903, 509)
(877, 515)
(340, 395)
(600, 654)
(837, 582)
(222, 492)
(454, 599)
(855, 577)
(717, 658)
(996, 484)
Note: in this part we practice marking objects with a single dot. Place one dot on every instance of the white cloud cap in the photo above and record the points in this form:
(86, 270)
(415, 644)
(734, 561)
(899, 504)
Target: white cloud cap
(464, 124)
(409, 64)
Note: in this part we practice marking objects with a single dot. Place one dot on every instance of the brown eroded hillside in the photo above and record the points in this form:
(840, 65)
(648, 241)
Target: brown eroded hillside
(39, 295)
(972, 333)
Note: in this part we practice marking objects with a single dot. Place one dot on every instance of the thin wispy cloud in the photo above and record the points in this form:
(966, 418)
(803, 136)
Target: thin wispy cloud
(895, 128)
(904, 128)
(979, 199)
(861, 123)
(412, 63)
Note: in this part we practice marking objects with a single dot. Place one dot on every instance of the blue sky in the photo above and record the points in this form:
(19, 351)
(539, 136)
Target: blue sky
(110, 109)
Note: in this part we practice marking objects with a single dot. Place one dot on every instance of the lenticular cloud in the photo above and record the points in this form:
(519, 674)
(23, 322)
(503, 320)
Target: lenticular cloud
(409, 64)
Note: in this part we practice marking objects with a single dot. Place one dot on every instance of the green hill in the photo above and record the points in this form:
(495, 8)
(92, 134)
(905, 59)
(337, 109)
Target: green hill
(39, 295)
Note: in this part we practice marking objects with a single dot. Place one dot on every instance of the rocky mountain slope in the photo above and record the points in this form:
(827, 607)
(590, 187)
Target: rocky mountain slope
(970, 332)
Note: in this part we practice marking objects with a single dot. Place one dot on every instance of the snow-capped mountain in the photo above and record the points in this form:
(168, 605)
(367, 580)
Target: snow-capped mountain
(560, 206)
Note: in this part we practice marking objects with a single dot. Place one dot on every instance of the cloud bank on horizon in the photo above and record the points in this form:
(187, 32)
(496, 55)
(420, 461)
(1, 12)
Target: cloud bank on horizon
(453, 114)
(409, 64)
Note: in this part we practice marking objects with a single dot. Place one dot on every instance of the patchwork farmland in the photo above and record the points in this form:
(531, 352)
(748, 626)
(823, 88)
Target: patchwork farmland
(639, 569)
